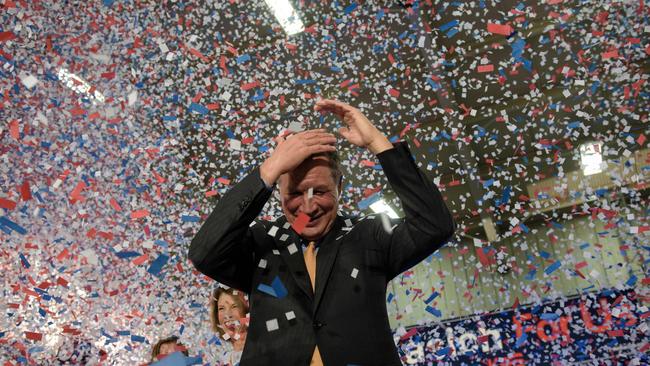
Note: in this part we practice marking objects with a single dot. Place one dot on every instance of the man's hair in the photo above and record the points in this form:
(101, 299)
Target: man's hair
(237, 295)
(333, 163)
(155, 351)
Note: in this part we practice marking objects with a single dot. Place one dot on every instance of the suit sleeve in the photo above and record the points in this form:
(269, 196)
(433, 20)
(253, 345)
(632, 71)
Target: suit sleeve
(223, 249)
(427, 224)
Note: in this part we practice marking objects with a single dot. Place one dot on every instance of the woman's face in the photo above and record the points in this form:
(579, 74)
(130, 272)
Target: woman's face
(229, 312)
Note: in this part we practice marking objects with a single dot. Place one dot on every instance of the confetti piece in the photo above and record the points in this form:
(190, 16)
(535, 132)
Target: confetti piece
(292, 248)
(485, 68)
(29, 81)
(116, 206)
(7, 204)
(157, 265)
(138, 214)
(276, 289)
(504, 30)
(7, 36)
(141, 259)
(272, 325)
(8, 226)
(34, 336)
(550, 269)
(300, 222)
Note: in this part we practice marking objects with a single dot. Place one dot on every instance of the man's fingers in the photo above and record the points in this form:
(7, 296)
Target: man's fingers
(321, 148)
(334, 106)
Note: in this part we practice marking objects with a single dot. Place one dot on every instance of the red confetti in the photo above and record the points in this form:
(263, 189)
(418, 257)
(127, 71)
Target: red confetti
(62, 282)
(300, 222)
(486, 68)
(610, 54)
(8, 204)
(14, 129)
(25, 191)
(7, 36)
(141, 259)
(116, 206)
(34, 336)
(76, 192)
(137, 214)
(505, 30)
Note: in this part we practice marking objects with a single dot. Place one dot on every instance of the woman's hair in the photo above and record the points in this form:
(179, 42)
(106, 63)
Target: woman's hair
(237, 296)
(155, 351)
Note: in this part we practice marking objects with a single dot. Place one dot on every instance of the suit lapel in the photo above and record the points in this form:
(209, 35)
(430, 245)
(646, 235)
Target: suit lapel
(291, 251)
(325, 259)
(327, 252)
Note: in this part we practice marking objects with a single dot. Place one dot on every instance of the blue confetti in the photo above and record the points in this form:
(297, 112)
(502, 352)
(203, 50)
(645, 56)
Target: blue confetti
(550, 269)
(350, 8)
(243, 58)
(23, 260)
(157, 265)
(5, 222)
(188, 218)
(128, 254)
(449, 25)
(135, 338)
(434, 311)
(432, 297)
(632, 280)
(198, 108)
(276, 289)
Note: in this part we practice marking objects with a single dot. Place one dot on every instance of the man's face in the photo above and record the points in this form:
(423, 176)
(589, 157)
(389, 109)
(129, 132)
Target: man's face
(321, 207)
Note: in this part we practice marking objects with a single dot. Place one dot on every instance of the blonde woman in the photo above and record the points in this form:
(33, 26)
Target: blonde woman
(228, 315)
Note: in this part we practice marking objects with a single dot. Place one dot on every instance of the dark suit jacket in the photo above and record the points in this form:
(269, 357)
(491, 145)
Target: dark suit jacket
(346, 317)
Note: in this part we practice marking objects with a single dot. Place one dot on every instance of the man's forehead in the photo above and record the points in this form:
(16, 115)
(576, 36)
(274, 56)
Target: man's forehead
(314, 173)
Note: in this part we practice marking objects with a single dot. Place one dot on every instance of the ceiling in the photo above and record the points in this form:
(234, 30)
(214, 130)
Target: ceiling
(480, 92)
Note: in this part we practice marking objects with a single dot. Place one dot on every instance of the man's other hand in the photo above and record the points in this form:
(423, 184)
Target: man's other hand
(292, 150)
(359, 131)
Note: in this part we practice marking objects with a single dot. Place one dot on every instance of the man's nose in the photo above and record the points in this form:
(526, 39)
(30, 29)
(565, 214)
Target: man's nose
(308, 205)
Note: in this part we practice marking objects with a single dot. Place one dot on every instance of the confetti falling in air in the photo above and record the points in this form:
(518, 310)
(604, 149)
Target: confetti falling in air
(124, 122)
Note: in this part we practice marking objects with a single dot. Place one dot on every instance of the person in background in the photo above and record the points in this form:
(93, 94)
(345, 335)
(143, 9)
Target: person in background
(166, 346)
(228, 316)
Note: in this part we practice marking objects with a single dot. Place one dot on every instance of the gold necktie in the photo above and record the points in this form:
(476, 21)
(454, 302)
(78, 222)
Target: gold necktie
(310, 262)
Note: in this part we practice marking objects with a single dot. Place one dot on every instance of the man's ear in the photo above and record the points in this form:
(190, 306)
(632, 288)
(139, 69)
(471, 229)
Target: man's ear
(340, 186)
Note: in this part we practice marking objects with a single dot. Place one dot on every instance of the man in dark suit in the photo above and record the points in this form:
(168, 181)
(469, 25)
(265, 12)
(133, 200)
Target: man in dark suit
(317, 280)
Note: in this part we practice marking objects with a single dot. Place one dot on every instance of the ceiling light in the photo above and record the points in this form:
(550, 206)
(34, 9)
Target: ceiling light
(286, 16)
(381, 206)
(591, 157)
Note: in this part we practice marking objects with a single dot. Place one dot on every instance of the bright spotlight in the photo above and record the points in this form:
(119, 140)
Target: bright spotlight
(286, 16)
(591, 157)
(381, 206)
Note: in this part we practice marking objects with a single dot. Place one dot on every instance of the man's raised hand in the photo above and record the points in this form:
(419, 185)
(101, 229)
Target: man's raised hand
(292, 150)
(359, 130)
